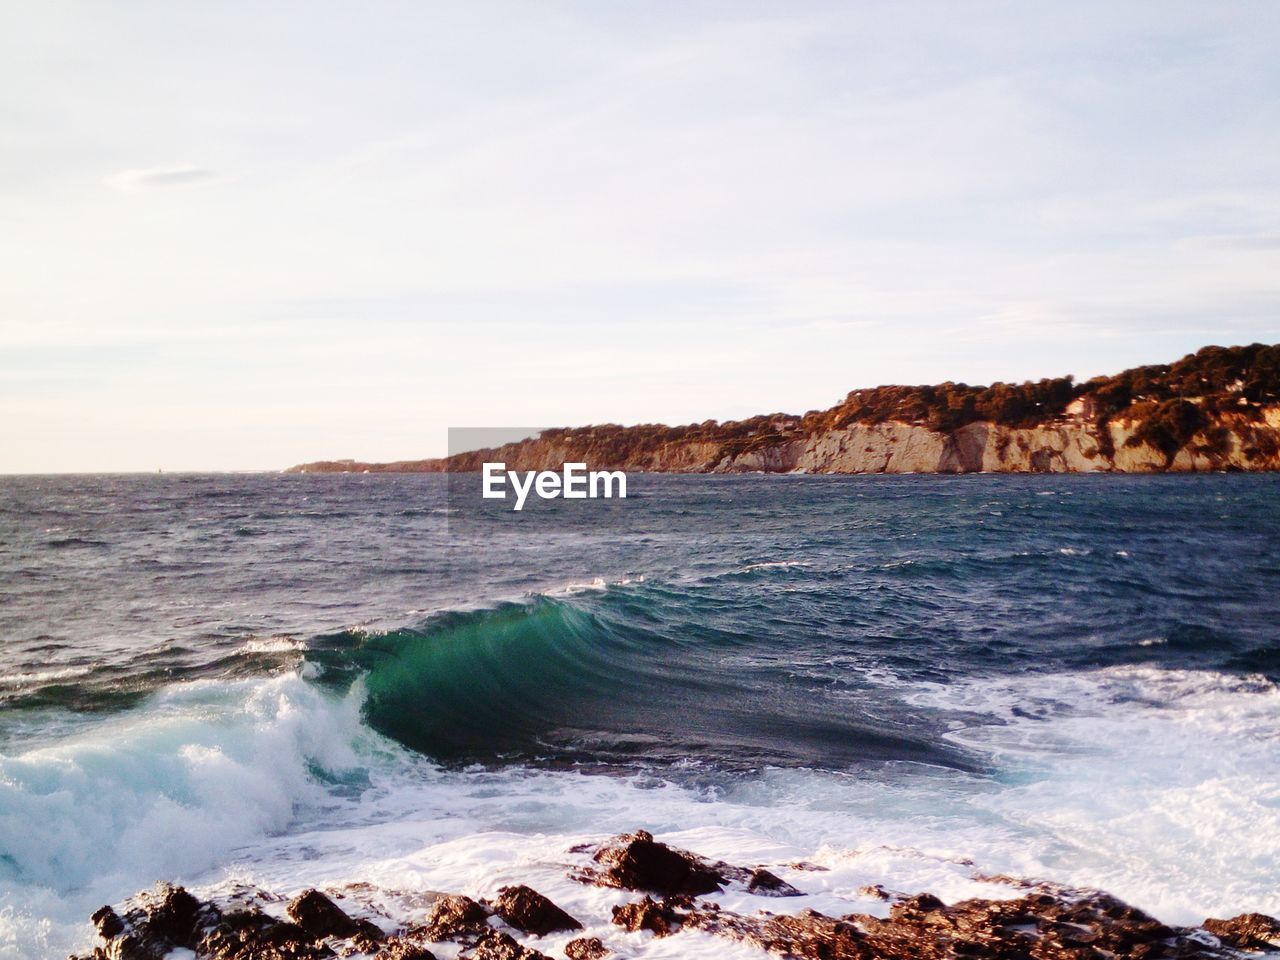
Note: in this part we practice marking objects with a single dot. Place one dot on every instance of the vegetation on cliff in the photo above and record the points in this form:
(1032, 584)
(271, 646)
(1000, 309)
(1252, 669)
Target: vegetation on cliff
(1215, 379)
(1189, 404)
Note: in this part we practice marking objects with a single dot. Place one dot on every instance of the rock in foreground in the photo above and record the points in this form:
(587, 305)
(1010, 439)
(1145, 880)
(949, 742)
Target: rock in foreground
(1034, 927)
(530, 912)
(635, 861)
(1045, 922)
(1249, 931)
(454, 917)
(320, 917)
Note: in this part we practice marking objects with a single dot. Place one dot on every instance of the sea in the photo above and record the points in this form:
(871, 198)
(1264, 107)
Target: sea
(367, 682)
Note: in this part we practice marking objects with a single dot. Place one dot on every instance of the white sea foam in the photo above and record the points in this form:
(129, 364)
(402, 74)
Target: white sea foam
(1157, 785)
(272, 645)
(166, 790)
(593, 586)
(35, 677)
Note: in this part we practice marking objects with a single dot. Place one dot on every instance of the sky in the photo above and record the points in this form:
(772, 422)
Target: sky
(243, 235)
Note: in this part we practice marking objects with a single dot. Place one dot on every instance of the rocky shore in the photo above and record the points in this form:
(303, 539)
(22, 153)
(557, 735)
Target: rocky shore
(1216, 409)
(675, 893)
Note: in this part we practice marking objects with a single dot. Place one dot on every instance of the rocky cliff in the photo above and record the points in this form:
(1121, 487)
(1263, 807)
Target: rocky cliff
(1216, 409)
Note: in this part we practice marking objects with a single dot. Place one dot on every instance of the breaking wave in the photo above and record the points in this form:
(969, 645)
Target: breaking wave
(624, 675)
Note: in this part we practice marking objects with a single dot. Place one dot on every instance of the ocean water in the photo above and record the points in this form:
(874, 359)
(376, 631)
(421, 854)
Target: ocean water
(922, 682)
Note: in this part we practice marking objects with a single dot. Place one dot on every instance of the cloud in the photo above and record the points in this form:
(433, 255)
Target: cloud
(684, 215)
(1258, 241)
(128, 180)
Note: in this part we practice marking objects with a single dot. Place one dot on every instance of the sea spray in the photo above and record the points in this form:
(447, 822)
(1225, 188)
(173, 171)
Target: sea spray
(167, 790)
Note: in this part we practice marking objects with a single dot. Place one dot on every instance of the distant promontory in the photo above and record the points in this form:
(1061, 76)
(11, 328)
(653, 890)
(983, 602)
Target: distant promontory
(1215, 409)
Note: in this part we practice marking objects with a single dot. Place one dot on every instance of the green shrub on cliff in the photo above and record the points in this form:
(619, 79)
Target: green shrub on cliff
(1167, 426)
(1168, 404)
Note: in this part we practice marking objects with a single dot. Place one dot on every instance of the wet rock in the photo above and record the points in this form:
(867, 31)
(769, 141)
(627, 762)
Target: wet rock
(1116, 926)
(1038, 925)
(253, 935)
(396, 949)
(107, 922)
(766, 884)
(875, 891)
(496, 945)
(174, 914)
(154, 923)
(530, 912)
(1248, 931)
(636, 861)
(1042, 922)
(453, 917)
(586, 948)
(1057, 924)
(914, 908)
(661, 918)
(320, 917)
(1021, 883)
(1035, 927)
(809, 935)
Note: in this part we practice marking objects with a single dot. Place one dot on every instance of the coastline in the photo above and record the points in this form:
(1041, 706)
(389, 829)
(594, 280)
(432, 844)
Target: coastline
(1216, 409)
(884, 448)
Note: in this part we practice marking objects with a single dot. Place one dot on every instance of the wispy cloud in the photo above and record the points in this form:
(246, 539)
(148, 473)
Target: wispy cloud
(159, 177)
(1254, 241)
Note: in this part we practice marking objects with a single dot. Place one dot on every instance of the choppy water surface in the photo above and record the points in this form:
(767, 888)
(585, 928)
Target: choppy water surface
(915, 680)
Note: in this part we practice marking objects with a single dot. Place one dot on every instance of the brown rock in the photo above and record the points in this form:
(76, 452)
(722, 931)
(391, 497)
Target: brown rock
(320, 917)
(767, 884)
(915, 907)
(1118, 926)
(809, 935)
(173, 913)
(1045, 922)
(661, 918)
(496, 945)
(586, 948)
(530, 912)
(1038, 925)
(813, 935)
(253, 935)
(1248, 931)
(1087, 926)
(397, 949)
(107, 922)
(155, 922)
(638, 862)
(454, 916)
